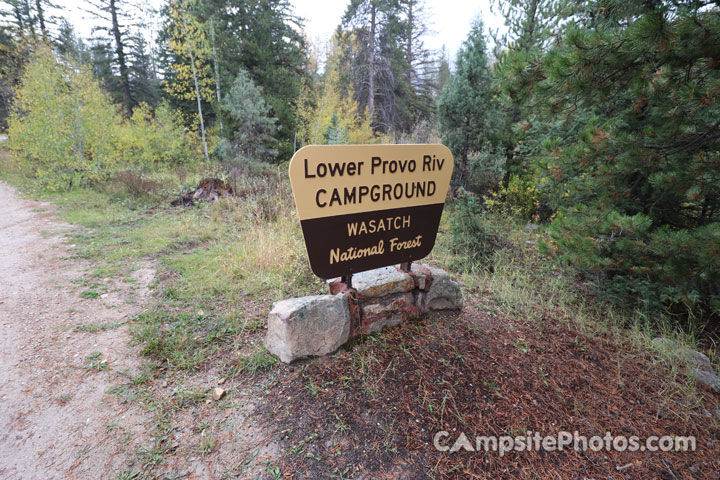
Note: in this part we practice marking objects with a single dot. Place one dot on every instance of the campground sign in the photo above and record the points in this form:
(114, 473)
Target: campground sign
(369, 206)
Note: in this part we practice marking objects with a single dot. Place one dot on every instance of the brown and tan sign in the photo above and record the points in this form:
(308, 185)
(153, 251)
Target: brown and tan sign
(368, 206)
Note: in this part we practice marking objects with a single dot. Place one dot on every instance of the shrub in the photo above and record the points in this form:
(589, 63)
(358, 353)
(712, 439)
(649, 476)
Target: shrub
(485, 171)
(61, 126)
(156, 138)
(520, 199)
(135, 184)
(473, 236)
(654, 268)
(65, 132)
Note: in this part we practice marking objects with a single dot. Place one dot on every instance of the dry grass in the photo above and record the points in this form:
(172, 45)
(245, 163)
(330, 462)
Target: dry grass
(531, 332)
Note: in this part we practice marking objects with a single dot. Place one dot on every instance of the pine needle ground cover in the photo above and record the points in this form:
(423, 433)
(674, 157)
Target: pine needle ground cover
(372, 411)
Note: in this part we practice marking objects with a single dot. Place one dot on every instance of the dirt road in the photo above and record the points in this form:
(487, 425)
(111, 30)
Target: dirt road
(60, 353)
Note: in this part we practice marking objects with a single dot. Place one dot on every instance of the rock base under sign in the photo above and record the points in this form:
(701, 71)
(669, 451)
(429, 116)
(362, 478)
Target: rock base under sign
(384, 297)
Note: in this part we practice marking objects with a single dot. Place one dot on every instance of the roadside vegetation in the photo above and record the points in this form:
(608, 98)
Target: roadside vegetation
(220, 265)
(582, 223)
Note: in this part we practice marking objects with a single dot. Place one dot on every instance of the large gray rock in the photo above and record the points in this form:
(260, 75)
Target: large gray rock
(308, 326)
(700, 365)
(707, 378)
(444, 293)
(697, 360)
(381, 282)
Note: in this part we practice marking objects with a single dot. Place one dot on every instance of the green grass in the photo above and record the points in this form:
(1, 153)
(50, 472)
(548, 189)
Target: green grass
(90, 294)
(215, 257)
(207, 444)
(95, 362)
(128, 475)
(185, 340)
(259, 360)
(97, 327)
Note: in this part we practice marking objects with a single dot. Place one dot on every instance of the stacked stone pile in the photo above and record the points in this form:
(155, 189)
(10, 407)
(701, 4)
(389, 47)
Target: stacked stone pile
(384, 297)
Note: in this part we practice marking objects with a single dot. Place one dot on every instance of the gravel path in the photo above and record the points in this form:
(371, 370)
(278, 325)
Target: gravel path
(57, 419)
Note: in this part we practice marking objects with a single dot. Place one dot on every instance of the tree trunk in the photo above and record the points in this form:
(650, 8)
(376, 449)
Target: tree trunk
(197, 89)
(371, 63)
(78, 133)
(530, 32)
(408, 44)
(119, 51)
(217, 70)
(30, 23)
(41, 19)
(19, 18)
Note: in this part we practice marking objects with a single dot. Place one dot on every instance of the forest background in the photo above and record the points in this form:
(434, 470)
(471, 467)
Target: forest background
(595, 121)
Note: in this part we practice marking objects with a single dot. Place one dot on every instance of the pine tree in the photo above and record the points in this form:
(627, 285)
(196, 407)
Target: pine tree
(632, 154)
(467, 112)
(531, 27)
(254, 128)
(68, 45)
(385, 63)
(20, 20)
(143, 80)
(421, 68)
(46, 22)
(335, 134)
(442, 71)
(112, 43)
(102, 67)
(372, 59)
(13, 55)
(264, 38)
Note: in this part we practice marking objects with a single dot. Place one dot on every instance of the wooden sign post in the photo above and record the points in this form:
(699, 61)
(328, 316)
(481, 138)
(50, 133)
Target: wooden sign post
(368, 206)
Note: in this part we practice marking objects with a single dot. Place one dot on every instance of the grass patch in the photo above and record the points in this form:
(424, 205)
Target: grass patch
(97, 327)
(186, 340)
(95, 362)
(267, 261)
(258, 361)
(207, 444)
(90, 294)
(128, 475)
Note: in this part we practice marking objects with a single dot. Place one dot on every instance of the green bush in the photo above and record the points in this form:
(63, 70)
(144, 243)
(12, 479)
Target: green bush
(485, 171)
(61, 126)
(520, 199)
(659, 268)
(473, 236)
(152, 139)
(65, 132)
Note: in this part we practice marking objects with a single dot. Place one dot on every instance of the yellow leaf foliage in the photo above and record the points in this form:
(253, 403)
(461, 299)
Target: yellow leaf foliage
(61, 127)
(65, 132)
(316, 114)
(187, 34)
